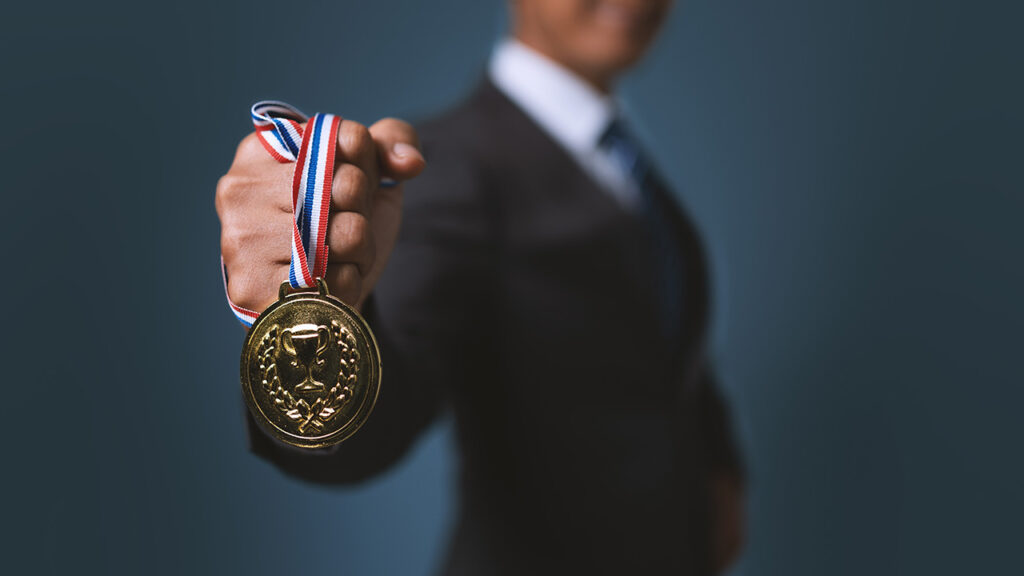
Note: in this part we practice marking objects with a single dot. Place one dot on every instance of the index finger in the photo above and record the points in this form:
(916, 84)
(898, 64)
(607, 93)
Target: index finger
(355, 146)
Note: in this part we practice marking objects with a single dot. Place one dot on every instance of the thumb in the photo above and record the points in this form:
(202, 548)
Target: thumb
(397, 149)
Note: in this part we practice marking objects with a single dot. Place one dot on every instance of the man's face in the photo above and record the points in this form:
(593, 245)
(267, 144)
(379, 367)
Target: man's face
(599, 38)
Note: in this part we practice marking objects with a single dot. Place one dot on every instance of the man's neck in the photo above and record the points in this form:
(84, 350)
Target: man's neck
(603, 83)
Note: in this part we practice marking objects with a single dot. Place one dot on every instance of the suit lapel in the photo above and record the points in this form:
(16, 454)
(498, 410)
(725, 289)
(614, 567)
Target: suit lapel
(528, 158)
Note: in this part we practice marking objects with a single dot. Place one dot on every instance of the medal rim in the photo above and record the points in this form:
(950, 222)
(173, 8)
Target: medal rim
(369, 401)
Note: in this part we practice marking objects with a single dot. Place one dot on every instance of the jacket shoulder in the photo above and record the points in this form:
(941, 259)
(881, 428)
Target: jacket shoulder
(468, 123)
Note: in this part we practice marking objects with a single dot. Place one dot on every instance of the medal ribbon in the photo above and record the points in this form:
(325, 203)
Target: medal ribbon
(311, 148)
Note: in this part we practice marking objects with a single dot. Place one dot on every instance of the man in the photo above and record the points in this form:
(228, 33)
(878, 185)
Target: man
(545, 287)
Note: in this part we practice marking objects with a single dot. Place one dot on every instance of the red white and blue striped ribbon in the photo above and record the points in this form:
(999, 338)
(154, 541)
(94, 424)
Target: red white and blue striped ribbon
(311, 148)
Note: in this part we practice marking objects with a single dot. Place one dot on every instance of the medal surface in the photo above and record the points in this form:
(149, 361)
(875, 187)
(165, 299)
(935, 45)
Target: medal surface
(310, 369)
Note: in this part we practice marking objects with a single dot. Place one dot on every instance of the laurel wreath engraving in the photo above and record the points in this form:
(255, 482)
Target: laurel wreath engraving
(323, 409)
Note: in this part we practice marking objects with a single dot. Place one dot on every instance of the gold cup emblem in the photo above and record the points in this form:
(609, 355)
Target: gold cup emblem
(305, 344)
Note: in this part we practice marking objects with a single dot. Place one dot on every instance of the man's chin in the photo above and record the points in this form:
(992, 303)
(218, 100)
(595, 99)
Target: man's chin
(617, 20)
(620, 59)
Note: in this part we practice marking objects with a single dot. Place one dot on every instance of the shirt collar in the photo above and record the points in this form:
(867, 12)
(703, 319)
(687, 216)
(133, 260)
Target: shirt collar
(564, 105)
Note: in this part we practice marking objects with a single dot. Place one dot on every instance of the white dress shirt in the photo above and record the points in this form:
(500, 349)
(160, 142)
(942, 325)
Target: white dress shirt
(571, 111)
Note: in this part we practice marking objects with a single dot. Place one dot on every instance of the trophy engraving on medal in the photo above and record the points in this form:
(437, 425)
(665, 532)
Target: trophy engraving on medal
(306, 344)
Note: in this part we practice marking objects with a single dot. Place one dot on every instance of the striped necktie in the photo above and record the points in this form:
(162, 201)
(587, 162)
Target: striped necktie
(655, 207)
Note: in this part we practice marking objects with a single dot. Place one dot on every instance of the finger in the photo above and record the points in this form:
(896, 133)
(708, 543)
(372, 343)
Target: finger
(255, 179)
(256, 287)
(350, 190)
(350, 241)
(251, 150)
(355, 146)
(345, 282)
(252, 236)
(398, 149)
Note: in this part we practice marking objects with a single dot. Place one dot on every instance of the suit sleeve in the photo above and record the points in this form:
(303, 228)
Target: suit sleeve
(429, 312)
(721, 450)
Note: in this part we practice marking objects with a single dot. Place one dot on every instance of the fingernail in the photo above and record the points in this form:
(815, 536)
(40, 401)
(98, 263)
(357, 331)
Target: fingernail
(403, 150)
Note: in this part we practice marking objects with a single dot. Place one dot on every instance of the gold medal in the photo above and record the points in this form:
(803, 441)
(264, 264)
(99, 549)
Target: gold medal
(310, 369)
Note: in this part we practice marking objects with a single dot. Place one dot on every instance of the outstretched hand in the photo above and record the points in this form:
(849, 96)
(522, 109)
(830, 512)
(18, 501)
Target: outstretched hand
(254, 205)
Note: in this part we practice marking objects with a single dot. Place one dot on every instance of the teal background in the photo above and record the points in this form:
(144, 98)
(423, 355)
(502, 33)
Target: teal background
(856, 169)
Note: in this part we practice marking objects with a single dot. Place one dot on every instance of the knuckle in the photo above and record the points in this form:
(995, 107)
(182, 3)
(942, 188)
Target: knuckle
(353, 293)
(355, 228)
(241, 290)
(369, 255)
(348, 284)
(228, 192)
(357, 138)
(248, 146)
(232, 242)
(370, 250)
(218, 197)
(403, 127)
(351, 184)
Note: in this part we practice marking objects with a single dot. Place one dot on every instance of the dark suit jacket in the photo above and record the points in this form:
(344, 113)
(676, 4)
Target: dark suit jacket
(523, 297)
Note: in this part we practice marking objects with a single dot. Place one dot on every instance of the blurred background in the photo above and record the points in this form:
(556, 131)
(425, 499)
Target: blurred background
(856, 168)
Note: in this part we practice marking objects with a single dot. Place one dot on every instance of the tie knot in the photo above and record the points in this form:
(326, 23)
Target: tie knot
(615, 134)
(619, 141)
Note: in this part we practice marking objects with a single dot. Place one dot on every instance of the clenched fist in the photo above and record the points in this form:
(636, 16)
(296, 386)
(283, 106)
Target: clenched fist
(254, 203)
